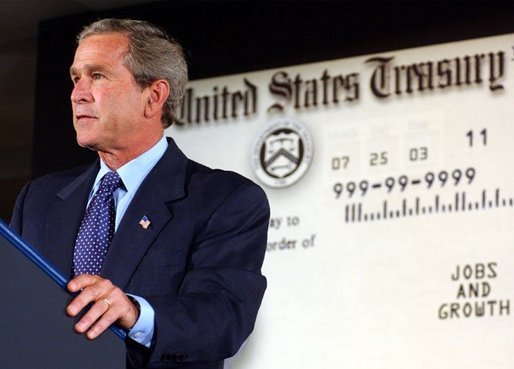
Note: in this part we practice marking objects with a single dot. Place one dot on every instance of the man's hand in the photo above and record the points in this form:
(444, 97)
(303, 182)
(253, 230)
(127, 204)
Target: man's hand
(109, 305)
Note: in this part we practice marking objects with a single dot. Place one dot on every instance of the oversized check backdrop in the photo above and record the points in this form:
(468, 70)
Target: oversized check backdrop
(395, 248)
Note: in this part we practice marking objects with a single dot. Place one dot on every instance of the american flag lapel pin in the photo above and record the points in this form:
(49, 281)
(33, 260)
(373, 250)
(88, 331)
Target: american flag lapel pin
(144, 222)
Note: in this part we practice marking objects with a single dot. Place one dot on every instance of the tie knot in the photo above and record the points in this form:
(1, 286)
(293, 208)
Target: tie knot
(111, 181)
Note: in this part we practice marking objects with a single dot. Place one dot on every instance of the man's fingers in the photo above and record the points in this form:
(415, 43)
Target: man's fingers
(108, 318)
(109, 305)
(97, 310)
(101, 315)
(93, 288)
(81, 281)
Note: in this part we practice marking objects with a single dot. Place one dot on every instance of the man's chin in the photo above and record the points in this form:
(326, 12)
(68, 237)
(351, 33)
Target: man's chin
(87, 143)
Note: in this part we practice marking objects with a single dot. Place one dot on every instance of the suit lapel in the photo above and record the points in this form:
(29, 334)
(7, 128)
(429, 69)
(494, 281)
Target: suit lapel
(164, 184)
(64, 217)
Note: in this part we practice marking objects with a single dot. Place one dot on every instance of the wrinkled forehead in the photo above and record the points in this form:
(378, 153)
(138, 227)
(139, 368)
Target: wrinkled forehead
(108, 48)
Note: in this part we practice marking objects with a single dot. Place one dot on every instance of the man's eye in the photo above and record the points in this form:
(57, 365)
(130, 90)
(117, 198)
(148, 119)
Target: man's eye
(97, 76)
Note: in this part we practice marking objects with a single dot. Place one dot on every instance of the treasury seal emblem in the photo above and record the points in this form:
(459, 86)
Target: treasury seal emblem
(282, 153)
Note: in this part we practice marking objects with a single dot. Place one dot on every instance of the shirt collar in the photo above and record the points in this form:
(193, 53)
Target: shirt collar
(135, 171)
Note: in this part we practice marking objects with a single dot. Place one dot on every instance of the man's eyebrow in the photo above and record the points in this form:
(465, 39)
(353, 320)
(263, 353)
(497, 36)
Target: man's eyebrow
(87, 68)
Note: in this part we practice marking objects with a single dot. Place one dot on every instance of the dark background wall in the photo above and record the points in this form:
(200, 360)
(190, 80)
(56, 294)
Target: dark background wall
(233, 37)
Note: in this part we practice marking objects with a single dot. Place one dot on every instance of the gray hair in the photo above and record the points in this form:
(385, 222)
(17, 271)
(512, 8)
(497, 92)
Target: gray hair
(152, 55)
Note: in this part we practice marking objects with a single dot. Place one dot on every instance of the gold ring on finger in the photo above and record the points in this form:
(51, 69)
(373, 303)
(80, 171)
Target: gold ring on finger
(108, 302)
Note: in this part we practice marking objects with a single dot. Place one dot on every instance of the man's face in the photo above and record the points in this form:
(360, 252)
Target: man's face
(108, 106)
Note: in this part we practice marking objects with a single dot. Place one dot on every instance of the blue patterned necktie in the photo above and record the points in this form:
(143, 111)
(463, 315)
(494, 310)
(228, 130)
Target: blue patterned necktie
(97, 228)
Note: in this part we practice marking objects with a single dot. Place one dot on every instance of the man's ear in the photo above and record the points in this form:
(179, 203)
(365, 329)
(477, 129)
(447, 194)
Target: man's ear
(158, 93)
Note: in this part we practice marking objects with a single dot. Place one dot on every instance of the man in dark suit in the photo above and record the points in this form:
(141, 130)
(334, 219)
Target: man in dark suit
(181, 272)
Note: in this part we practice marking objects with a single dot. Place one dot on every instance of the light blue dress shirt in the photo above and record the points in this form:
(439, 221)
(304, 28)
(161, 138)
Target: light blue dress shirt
(132, 174)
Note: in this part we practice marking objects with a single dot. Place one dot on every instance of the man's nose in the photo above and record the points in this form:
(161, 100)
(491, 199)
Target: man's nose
(81, 92)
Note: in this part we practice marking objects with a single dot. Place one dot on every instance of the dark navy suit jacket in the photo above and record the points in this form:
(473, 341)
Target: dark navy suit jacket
(198, 263)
